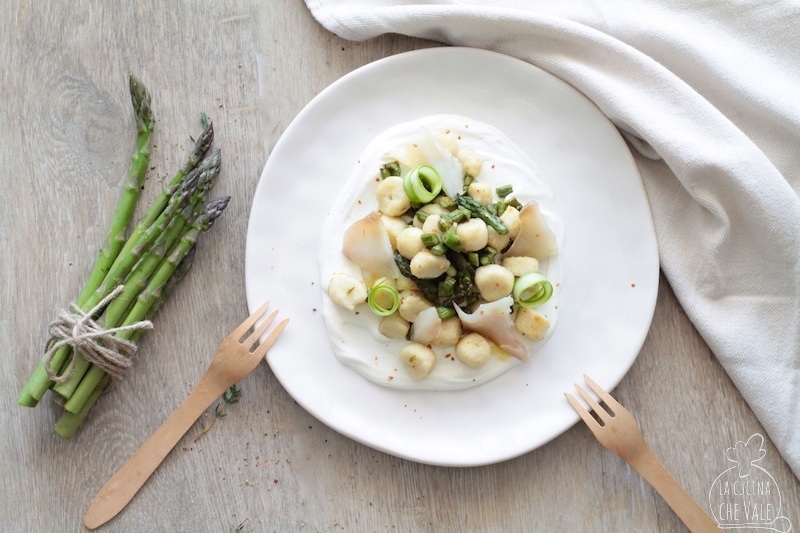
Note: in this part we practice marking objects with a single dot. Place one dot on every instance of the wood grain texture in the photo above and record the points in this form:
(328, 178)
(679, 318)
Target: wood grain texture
(252, 65)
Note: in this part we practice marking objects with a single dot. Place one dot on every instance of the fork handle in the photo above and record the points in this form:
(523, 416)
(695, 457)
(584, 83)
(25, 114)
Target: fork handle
(126, 482)
(651, 469)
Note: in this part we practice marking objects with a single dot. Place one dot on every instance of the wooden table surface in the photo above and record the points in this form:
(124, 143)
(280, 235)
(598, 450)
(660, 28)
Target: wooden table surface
(65, 141)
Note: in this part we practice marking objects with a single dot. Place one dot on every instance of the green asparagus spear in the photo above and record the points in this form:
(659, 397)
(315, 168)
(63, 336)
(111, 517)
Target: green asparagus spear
(114, 313)
(39, 381)
(152, 293)
(195, 183)
(69, 422)
(125, 263)
(158, 205)
(137, 280)
(483, 213)
(127, 203)
(155, 287)
(166, 230)
(465, 291)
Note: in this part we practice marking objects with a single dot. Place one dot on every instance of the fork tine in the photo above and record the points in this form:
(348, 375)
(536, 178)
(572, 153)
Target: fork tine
(601, 413)
(260, 330)
(249, 321)
(606, 397)
(262, 349)
(581, 410)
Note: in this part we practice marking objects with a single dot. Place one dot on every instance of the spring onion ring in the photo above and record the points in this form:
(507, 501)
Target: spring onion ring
(422, 184)
(382, 290)
(532, 290)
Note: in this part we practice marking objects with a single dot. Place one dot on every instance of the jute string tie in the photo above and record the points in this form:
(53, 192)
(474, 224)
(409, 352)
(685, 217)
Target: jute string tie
(99, 346)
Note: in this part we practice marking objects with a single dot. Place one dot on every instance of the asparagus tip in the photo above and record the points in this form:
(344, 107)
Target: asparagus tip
(141, 100)
(213, 160)
(212, 211)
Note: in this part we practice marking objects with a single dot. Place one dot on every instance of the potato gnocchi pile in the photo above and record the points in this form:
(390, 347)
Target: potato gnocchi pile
(446, 259)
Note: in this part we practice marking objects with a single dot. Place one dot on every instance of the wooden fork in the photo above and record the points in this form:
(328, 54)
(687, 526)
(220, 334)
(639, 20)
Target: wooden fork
(235, 359)
(618, 432)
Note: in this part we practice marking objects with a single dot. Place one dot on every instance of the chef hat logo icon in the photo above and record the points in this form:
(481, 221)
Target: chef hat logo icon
(745, 496)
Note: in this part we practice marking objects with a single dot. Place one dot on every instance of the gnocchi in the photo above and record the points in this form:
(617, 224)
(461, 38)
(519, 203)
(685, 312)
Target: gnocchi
(418, 360)
(473, 350)
(494, 282)
(392, 198)
(347, 291)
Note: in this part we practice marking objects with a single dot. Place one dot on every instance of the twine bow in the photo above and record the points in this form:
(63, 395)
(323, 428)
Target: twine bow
(99, 346)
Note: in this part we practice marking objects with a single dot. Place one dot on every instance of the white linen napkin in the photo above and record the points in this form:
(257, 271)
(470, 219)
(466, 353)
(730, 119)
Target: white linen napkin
(709, 96)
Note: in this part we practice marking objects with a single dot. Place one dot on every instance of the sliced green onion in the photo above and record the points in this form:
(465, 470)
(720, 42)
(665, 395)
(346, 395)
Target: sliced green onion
(504, 191)
(445, 312)
(446, 202)
(474, 259)
(392, 168)
(501, 207)
(429, 239)
(421, 215)
(439, 249)
(514, 203)
(383, 292)
(422, 184)
(532, 290)
(487, 257)
(447, 287)
(451, 240)
(445, 222)
(451, 271)
(460, 215)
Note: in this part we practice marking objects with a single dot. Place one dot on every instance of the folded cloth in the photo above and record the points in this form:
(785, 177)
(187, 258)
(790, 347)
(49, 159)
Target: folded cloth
(709, 96)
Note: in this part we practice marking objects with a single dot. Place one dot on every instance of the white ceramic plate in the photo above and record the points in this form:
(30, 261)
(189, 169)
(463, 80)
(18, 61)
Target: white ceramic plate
(610, 256)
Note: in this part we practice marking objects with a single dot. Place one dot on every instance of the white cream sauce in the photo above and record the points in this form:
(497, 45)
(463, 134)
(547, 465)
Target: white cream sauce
(354, 337)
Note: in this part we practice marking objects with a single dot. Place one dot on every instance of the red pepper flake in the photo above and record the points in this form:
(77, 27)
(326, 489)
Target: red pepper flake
(391, 378)
(185, 449)
(275, 481)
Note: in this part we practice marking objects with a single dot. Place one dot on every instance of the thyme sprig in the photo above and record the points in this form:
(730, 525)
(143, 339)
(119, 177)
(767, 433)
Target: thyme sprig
(230, 397)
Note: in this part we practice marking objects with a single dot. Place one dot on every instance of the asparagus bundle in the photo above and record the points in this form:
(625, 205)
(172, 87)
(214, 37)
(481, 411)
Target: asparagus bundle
(156, 255)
